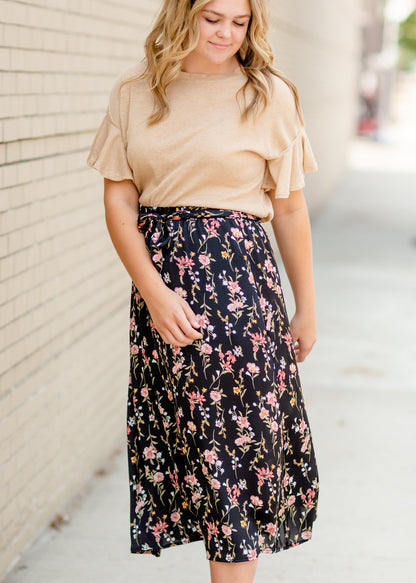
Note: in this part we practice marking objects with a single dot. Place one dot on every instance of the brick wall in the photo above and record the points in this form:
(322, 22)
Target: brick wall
(63, 293)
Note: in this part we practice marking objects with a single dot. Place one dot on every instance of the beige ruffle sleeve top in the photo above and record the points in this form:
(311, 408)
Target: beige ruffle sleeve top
(202, 153)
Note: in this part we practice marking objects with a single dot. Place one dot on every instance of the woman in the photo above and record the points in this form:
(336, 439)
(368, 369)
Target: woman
(198, 147)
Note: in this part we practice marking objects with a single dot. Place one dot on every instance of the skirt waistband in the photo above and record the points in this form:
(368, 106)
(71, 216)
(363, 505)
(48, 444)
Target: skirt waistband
(155, 221)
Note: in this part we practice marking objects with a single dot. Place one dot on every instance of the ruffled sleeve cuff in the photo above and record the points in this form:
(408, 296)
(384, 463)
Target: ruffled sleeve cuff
(108, 153)
(286, 172)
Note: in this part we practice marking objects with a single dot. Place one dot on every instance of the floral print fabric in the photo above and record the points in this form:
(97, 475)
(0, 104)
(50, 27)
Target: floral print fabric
(219, 443)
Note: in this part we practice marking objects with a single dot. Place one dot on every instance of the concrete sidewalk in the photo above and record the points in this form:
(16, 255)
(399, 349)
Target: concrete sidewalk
(360, 392)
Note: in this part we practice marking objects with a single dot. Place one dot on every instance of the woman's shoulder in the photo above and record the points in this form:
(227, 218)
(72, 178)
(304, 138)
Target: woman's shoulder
(283, 95)
(131, 73)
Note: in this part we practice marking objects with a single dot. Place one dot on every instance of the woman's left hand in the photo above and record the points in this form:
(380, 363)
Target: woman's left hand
(303, 329)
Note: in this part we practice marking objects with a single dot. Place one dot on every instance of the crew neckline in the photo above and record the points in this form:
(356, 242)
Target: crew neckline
(187, 75)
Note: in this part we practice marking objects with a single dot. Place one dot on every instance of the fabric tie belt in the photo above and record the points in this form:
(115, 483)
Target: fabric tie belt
(157, 223)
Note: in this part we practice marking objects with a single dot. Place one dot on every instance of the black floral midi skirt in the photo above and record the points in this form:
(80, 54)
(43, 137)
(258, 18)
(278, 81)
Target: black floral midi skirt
(218, 439)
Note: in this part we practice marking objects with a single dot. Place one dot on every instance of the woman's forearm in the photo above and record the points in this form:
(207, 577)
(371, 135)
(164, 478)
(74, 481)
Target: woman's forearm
(121, 211)
(293, 235)
(172, 316)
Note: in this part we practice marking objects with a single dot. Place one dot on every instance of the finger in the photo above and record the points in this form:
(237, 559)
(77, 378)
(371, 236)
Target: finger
(180, 338)
(185, 323)
(190, 315)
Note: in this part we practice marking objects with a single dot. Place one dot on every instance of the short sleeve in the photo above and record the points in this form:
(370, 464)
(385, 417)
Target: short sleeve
(287, 172)
(289, 152)
(108, 153)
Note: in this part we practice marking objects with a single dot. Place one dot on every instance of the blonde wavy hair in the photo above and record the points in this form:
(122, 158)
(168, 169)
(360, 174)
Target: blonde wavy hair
(176, 34)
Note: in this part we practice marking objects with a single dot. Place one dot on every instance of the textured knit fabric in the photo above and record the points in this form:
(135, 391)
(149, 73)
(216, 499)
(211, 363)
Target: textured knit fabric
(203, 154)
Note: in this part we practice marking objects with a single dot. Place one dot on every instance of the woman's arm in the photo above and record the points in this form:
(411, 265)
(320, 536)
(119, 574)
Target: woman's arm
(292, 230)
(171, 314)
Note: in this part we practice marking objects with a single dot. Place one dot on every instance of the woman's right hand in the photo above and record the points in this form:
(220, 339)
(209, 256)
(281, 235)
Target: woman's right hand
(172, 316)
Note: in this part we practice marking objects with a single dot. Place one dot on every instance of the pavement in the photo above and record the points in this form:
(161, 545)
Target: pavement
(360, 393)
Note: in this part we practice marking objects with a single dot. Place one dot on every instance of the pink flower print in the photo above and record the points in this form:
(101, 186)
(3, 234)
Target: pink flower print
(155, 354)
(237, 234)
(174, 479)
(285, 480)
(268, 265)
(155, 237)
(132, 323)
(215, 483)
(271, 398)
(263, 301)
(175, 516)
(302, 426)
(227, 360)
(157, 256)
(191, 426)
(257, 340)
(263, 474)
(235, 305)
(291, 500)
(160, 526)
(269, 282)
(233, 493)
(134, 349)
(195, 397)
(251, 280)
(226, 530)
(274, 426)
(139, 505)
(252, 554)
(202, 320)
(233, 287)
(211, 225)
(292, 367)
(176, 350)
(243, 422)
(212, 530)
(144, 392)
(210, 456)
(263, 413)
(204, 259)
(306, 535)
(248, 245)
(288, 339)
(243, 439)
(305, 444)
(253, 368)
(177, 367)
(183, 263)
(271, 528)
(308, 498)
(181, 292)
(159, 477)
(191, 480)
(196, 496)
(150, 452)
(206, 348)
(215, 396)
